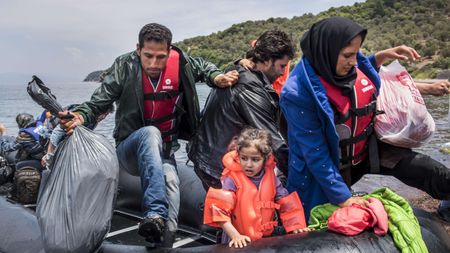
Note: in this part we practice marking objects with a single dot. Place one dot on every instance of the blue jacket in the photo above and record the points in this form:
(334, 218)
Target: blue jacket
(313, 140)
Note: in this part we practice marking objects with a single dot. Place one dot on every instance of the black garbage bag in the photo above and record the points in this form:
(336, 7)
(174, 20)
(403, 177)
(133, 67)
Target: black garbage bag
(75, 205)
(42, 95)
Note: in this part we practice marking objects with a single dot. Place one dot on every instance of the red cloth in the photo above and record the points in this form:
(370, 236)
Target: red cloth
(352, 220)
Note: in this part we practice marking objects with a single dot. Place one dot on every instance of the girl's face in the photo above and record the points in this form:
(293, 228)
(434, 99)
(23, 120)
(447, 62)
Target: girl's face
(251, 161)
(347, 56)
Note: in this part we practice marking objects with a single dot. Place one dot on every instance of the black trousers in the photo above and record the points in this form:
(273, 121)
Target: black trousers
(416, 170)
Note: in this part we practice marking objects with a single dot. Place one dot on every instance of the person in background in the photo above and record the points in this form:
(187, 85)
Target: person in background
(437, 88)
(252, 102)
(329, 104)
(2, 129)
(157, 104)
(249, 64)
(58, 135)
(248, 181)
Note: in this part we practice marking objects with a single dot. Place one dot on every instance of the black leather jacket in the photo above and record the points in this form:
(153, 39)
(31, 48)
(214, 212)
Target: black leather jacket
(250, 102)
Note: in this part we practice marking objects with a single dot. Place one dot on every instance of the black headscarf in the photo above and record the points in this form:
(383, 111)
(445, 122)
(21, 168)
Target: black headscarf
(323, 42)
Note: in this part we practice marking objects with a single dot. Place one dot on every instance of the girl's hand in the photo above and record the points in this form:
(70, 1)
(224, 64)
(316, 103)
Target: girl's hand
(239, 241)
(302, 230)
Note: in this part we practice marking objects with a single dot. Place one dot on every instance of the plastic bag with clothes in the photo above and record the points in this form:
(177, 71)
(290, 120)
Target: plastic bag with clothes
(75, 205)
(405, 122)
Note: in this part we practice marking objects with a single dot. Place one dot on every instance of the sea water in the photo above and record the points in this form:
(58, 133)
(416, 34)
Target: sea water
(14, 99)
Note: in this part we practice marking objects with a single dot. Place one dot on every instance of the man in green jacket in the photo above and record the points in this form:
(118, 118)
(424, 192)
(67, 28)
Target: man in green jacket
(157, 104)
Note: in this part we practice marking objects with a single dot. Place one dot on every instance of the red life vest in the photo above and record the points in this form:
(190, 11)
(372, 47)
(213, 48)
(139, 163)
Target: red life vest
(355, 116)
(161, 103)
(258, 223)
(279, 82)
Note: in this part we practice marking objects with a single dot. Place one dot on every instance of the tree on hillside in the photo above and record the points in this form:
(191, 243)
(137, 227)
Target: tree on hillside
(422, 24)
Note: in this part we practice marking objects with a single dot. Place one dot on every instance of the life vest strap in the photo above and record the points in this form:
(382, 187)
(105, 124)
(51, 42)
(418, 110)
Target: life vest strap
(348, 159)
(169, 133)
(153, 122)
(268, 205)
(363, 135)
(361, 111)
(268, 226)
(163, 95)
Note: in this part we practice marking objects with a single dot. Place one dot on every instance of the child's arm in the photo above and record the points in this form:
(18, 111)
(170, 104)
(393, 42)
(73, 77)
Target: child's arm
(292, 214)
(237, 239)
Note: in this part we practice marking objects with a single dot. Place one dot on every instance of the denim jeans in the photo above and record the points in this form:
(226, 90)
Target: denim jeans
(141, 154)
(173, 193)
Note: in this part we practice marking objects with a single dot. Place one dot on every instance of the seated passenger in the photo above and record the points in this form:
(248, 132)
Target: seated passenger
(245, 206)
(329, 103)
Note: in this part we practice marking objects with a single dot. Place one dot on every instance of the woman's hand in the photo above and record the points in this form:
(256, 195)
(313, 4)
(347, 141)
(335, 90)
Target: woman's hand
(239, 241)
(396, 53)
(354, 200)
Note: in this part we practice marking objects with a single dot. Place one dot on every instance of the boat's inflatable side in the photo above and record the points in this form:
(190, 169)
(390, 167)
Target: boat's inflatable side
(192, 196)
(435, 237)
(19, 229)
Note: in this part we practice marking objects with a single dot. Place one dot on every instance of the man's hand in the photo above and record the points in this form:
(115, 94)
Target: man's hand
(247, 64)
(439, 88)
(397, 53)
(227, 79)
(354, 200)
(69, 124)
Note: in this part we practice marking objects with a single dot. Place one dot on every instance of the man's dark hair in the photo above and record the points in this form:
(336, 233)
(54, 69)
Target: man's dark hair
(272, 45)
(155, 32)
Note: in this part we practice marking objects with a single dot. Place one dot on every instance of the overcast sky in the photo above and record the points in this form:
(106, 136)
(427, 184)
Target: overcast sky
(67, 39)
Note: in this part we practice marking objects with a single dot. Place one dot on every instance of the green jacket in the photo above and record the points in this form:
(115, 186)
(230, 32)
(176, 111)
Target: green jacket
(123, 84)
(403, 224)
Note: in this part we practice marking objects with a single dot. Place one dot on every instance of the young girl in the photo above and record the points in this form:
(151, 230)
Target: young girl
(245, 206)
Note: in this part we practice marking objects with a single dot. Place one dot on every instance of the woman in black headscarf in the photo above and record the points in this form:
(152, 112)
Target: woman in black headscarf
(329, 103)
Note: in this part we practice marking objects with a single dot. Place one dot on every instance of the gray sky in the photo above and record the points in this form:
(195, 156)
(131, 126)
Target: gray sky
(65, 40)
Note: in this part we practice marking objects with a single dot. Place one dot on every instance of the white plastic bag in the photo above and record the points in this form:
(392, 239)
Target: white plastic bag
(406, 121)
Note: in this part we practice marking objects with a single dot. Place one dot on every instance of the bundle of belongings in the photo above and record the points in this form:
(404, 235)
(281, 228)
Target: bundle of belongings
(387, 211)
(405, 121)
(75, 203)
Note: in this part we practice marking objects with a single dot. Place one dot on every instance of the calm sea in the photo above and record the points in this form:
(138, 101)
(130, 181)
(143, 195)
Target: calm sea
(14, 99)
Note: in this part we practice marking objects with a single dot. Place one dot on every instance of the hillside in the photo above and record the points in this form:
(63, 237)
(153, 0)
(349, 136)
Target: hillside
(424, 25)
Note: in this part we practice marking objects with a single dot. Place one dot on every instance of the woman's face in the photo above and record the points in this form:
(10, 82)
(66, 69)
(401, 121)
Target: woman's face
(347, 56)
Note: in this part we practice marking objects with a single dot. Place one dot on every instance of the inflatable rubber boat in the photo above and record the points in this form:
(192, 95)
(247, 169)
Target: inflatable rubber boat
(20, 232)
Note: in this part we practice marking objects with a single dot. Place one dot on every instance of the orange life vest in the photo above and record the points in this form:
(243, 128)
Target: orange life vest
(279, 82)
(252, 209)
(161, 103)
(260, 222)
(355, 119)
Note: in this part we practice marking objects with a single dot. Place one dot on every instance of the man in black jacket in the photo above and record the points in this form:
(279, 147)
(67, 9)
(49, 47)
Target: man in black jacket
(252, 102)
